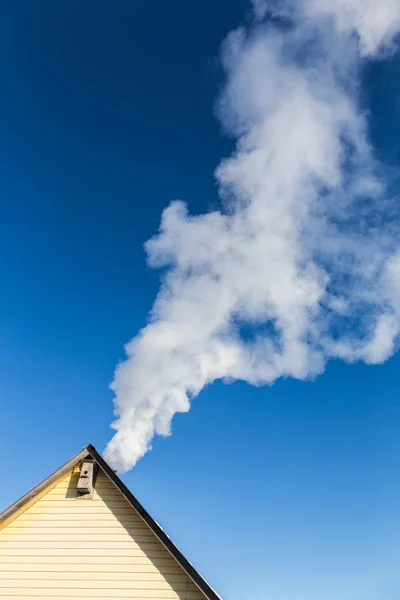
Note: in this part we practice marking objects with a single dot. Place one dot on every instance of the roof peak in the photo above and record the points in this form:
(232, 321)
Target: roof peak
(47, 484)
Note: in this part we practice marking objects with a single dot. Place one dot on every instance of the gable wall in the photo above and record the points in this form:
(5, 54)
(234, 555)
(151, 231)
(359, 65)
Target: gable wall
(65, 547)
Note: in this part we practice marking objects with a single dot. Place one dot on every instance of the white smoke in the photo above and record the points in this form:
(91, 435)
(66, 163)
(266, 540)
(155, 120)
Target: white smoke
(300, 264)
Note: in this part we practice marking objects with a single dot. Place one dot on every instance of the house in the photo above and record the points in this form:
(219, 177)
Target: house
(82, 534)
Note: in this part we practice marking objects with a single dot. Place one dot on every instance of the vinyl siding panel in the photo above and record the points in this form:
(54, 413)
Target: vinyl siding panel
(68, 547)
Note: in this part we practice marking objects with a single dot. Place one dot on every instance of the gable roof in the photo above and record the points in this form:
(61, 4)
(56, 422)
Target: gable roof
(11, 513)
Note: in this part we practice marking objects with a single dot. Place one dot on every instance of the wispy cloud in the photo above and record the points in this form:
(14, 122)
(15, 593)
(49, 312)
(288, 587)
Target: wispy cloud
(301, 263)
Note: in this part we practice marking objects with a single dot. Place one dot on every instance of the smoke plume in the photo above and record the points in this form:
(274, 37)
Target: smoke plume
(302, 262)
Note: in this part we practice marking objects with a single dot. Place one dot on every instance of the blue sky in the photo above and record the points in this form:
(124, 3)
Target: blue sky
(289, 492)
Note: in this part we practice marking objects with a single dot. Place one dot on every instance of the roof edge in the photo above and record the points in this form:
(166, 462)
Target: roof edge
(23, 503)
(200, 582)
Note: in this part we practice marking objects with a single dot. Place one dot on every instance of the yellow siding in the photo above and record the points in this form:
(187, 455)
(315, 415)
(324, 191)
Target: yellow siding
(65, 547)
